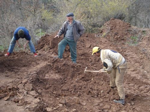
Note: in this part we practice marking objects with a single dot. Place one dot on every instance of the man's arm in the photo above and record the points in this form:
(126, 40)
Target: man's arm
(61, 31)
(25, 45)
(28, 38)
(102, 70)
(107, 66)
(18, 45)
(81, 28)
(16, 37)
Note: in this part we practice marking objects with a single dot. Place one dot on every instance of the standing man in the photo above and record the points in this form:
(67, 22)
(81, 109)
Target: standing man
(115, 65)
(72, 31)
(21, 32)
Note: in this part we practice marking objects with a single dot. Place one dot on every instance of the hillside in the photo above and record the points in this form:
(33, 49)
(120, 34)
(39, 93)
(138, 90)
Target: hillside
(45, 84)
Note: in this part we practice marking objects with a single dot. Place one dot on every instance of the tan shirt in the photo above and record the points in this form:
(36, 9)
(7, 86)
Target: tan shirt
(115, 57)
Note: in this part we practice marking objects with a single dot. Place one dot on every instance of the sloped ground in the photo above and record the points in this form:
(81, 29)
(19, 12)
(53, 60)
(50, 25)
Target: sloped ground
(45, 84)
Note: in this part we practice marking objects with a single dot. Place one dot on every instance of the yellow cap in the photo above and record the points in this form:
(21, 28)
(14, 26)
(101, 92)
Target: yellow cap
(95, 50)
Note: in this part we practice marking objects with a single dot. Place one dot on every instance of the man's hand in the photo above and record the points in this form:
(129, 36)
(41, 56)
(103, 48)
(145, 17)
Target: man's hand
(57, 36)
(25, 45)
(18, 45)
(101, 71)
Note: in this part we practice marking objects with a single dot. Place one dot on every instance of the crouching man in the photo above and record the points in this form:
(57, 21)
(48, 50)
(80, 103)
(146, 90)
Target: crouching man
(115, 65)
(21, 32)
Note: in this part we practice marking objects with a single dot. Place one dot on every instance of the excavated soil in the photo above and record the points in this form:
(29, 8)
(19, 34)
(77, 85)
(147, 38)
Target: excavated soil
(47, 84)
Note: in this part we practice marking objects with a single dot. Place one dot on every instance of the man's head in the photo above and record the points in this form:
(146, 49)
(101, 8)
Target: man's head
(70, 16)
(96, 51)
(21, 33)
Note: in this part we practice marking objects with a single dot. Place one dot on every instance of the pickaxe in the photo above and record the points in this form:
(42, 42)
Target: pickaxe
(94, 71)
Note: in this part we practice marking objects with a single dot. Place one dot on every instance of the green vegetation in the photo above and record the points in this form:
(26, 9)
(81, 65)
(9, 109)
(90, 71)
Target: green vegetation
(40, 33)
(94, 13)
(41, 16)
(2, 48)
(144, 32)
(104, 34)
(134, 40)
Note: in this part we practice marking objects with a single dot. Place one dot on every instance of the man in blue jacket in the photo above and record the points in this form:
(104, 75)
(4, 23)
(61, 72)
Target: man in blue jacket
(21, 32)
(72, 31)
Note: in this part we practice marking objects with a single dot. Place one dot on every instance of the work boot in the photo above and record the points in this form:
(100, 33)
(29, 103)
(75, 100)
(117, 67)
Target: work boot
(55, 57)
(121, 101)
(7, 54)
(113, 87)
(35, 54)
(74, 62)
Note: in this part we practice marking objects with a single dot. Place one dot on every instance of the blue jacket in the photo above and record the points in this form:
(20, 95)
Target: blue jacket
(26, 33)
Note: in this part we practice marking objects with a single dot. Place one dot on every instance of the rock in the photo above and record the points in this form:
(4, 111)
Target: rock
(28, 99)
(33, 93)
(131, 111)
(31, 107)
(49, 109)
(114, 108)
(128, 104)
(24, 81)
(74, 110)
(138, 109)
(20, 86)
(132, 103)
(88, 45)
(28, 87)
(35, 101)
(106, 106)
(83, 103)
(40, 91)
(16, 100)
(76, 100)
(142, 88)
(63, 101)
(21, 103)
(96, 103)
(65, 110)
(60, 105)
(101, 100)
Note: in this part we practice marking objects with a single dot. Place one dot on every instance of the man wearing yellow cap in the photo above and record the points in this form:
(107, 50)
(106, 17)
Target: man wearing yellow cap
(115, 65)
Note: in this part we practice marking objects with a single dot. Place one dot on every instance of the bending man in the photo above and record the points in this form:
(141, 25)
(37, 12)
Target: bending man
(21, 32)
(115, 65)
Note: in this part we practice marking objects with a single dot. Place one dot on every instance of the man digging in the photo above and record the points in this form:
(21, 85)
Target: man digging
(21, 32)
(72, 31)
(115, 65)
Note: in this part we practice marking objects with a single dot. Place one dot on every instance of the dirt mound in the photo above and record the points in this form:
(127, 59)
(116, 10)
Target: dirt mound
(115, 30)
(45, 84)
(16, 61)
(48, 42)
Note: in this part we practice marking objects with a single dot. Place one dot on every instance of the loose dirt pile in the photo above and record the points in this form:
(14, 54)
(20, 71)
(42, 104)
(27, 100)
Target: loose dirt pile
(115, 30)
(45, 84)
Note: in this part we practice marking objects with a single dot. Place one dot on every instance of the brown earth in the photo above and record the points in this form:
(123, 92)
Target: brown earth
(45, 84)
